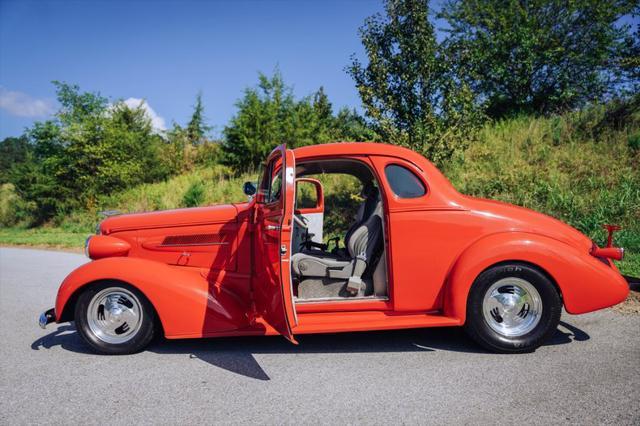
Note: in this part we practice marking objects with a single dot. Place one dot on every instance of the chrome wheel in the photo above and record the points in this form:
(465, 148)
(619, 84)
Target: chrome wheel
(114, 315)
(512, 307)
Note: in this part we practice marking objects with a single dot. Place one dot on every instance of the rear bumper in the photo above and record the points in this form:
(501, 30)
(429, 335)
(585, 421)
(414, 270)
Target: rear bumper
(47, 317)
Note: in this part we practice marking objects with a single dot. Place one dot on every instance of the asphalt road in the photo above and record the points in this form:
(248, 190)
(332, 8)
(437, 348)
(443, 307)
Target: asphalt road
(588, 374)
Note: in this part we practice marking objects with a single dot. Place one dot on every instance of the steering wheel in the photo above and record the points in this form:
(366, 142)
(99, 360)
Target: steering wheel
(301, 220)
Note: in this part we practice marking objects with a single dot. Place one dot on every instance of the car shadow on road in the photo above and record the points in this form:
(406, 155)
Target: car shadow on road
(236, 354)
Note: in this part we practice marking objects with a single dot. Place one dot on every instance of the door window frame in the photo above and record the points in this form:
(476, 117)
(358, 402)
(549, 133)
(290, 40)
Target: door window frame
(360, 304)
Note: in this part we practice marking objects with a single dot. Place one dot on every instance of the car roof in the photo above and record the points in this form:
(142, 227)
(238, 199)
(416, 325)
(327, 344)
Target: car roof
(358, 148)
(439, 185)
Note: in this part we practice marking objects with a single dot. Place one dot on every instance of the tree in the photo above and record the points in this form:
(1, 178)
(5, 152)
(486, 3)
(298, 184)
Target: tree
(630, 61)
(92, 148)
(260, 124)
(322, 106)
(538, 56)
(408, 88)
(321, 122)
(349, 126)
(269, 115)
(197, 129)
(13, 151)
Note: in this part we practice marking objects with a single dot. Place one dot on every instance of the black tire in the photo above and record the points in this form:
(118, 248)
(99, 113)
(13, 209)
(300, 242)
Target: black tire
(137, 340)
(478, 327)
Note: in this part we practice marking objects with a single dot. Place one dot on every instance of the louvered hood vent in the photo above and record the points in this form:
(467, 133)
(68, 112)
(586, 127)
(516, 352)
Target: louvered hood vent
(193, 240)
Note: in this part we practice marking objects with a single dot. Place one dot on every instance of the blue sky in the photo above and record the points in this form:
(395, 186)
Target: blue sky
(166, 51)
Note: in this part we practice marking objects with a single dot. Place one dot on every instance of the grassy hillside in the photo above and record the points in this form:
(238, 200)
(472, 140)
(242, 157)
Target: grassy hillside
(583, 168)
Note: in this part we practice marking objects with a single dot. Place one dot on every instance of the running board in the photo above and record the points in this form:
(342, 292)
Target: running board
(338, 322)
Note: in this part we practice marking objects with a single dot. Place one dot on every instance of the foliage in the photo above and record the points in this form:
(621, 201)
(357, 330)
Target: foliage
(220, 186)
(90, 148)
(13, 209)
(342, 199)
(208, 154)
(540, 56)
(269, 115)
(630, 61)
(194, 195)
(408, 88)
(348, 125)
(197, 129)
(12, 150)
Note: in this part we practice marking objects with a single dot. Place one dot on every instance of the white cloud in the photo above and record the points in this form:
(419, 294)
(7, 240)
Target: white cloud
(157, 122)
(23, 105)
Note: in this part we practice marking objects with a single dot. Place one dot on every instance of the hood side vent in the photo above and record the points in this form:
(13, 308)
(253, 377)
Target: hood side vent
(193, 240)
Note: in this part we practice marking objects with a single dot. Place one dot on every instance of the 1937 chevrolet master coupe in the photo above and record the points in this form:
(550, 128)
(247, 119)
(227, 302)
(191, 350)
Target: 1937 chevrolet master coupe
(417, 254)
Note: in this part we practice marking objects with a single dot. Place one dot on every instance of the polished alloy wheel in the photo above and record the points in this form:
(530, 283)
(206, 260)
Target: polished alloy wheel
(114, 315)
(512, 307)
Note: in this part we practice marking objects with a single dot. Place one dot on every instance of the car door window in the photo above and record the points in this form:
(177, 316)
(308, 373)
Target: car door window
(403, 182)
(270, 186)
(276, 187)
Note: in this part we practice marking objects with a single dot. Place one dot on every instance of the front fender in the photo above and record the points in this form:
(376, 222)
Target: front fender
(187, 304)
(586, 284)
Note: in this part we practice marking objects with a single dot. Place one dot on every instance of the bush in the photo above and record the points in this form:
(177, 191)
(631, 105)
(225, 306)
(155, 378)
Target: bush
(13, 209)
(194, 195)
(208, 154)
(634, 141)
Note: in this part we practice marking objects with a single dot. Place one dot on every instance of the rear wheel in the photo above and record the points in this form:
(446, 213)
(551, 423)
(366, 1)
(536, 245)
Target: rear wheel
(114, 318)
(512, 308)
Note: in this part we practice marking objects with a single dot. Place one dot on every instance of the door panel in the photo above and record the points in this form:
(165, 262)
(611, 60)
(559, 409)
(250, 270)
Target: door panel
(273, 294)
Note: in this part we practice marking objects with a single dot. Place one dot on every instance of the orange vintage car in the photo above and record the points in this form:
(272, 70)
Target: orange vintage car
(417, 254)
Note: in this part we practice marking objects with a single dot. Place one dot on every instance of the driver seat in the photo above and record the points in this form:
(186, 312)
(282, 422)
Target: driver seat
(363, 242)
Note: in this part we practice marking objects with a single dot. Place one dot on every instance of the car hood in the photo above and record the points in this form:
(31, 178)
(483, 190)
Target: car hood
(520, 219)
(172, 218)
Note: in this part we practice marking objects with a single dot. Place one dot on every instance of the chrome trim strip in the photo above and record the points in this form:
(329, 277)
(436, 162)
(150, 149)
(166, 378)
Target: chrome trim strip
(342, 299)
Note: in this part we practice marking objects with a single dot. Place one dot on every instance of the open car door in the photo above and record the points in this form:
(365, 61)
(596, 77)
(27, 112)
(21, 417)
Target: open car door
(272, 287)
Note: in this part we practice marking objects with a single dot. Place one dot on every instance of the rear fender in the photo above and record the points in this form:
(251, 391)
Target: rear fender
(187, 304)
(585, 283)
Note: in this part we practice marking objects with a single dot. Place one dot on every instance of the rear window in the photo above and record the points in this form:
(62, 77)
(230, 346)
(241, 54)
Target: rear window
(403, 182)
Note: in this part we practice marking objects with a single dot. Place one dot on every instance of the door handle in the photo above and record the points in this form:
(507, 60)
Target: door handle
(272, 227)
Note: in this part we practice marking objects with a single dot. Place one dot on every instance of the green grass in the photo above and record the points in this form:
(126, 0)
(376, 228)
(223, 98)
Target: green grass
(54, 237)
(630, 265)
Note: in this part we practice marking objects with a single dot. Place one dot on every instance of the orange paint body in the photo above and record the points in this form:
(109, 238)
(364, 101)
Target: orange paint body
(225, 270)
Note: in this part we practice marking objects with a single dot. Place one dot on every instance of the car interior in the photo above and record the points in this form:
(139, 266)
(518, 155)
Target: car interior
(355, 267)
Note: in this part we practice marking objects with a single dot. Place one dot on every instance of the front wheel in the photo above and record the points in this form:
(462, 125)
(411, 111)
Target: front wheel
(512, 308)
(114, 318)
